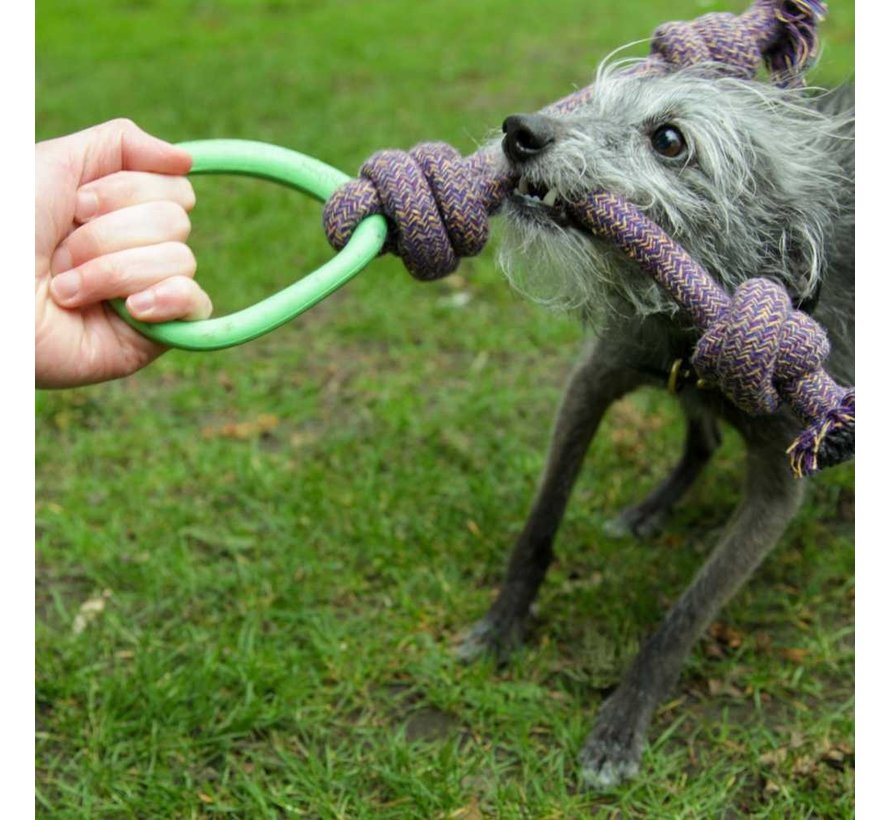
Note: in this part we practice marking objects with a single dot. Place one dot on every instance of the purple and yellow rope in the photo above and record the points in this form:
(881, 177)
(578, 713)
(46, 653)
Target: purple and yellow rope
(754, 345)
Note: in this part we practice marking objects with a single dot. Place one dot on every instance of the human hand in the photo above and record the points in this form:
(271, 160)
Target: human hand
(111, 212)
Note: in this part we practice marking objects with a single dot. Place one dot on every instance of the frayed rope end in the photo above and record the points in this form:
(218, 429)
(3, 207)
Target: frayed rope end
(829, 441)
(789, 57)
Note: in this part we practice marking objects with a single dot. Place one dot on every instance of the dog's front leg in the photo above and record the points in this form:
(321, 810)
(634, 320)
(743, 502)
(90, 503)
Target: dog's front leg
(594, 384)
(613, 749)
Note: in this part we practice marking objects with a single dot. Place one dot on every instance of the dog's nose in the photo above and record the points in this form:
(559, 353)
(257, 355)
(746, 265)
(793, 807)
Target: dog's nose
(526, 136)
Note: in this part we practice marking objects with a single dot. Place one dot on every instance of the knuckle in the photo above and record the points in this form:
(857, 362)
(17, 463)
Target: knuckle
(124, 125)
(180, 260)
(103, 276)
(175, 289)
(189, 262)
(180, 297)
(174, 219)
(187, 193)
(84, 244)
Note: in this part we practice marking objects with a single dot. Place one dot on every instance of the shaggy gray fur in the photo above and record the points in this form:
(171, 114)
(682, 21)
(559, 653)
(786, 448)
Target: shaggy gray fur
(762, 185)
(765, 188)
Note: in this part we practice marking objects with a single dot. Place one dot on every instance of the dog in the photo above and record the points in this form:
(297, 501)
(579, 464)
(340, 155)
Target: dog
(754, 180)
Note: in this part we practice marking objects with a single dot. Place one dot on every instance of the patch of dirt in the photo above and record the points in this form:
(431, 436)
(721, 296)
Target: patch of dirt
(430, 723)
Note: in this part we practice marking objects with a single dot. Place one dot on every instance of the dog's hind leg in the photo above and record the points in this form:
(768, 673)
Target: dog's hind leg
(612, 751)
(594, 384)
(647, 517)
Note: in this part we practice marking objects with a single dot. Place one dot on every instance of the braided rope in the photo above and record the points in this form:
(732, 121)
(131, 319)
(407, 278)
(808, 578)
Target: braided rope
(781, 34)
(436, 201)
(754, 346)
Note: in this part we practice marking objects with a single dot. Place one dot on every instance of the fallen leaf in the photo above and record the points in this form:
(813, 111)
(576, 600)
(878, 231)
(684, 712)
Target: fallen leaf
(803, 766)
(795, 655)
(725, 634)
(469, 812)
(88, 612)
(838, 757)
(243, 430)
(774, 756)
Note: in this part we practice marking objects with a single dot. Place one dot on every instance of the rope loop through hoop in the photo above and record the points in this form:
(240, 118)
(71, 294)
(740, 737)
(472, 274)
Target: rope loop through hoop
(432, 199)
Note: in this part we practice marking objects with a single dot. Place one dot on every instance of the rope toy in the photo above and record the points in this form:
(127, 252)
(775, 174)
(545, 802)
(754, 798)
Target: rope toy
(754, 346)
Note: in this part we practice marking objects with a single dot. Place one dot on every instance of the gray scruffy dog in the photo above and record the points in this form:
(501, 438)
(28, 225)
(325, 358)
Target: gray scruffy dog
(753, 180)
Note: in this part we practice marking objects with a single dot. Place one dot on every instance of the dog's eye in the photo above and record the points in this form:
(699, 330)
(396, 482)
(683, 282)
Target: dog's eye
(668, 141)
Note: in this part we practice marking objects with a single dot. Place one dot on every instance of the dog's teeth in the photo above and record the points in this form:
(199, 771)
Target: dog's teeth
(550, 198)
(522, 187)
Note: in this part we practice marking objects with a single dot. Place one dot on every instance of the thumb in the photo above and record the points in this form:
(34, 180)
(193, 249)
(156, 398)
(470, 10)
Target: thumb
(121, 145)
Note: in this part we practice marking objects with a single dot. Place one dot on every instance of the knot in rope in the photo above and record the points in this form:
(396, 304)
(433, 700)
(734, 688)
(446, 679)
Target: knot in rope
(718, 37)
(432, 198)
(758, 341)
(781, 33)
(755, 346)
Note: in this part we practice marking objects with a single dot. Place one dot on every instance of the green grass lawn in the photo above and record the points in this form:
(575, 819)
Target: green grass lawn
(281, 543)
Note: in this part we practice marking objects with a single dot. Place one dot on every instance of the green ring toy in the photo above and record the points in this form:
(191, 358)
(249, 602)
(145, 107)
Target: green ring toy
(306, 174)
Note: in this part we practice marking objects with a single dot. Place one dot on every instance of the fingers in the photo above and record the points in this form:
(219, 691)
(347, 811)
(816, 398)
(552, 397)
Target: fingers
(126, 188)
(122, 273)
(149, 223)
(130, 243)
(120, 145)
(177, 297)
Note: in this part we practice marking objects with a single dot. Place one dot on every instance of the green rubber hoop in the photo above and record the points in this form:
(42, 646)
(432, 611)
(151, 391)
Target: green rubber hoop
(306, 174)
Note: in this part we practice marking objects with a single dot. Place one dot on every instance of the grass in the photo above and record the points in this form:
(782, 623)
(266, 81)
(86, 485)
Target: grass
(280, 543)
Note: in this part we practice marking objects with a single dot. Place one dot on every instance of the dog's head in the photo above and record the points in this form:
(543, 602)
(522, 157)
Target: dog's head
(746, 176)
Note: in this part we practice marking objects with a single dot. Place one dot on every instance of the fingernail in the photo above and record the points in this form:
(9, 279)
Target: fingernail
(66, 286)
(87, 206)
(141, 302)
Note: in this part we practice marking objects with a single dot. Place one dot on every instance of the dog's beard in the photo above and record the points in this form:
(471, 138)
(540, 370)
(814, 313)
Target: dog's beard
(569, 270)
(761, 198)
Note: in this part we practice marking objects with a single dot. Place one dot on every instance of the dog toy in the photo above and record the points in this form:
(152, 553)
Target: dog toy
(306, 174)
(754, 345)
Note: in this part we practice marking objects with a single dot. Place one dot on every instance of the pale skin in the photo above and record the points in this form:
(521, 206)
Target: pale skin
(111, 220)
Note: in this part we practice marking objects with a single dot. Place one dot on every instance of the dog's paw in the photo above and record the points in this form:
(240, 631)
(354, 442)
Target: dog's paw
(636, 522)
(613, 749)
(605, 766)
(490, 637)
(611, 755)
